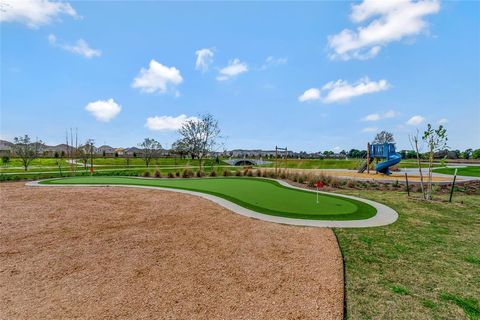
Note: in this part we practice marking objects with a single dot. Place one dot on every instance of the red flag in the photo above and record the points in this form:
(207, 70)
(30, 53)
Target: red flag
(91, 169)
(319, 184)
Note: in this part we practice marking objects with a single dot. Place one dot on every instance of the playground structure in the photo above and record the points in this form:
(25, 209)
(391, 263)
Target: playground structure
(381, 151)
(285, 155)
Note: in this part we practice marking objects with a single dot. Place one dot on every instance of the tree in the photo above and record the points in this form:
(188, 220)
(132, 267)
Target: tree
(467, 154)
(180, 147)
(383, 137)
(436, 140)
(476, 154)
(354, 153)
(84, 152)
(414, 141)
(150, 147)
(26, 150)
(200, 135)
(5, 161)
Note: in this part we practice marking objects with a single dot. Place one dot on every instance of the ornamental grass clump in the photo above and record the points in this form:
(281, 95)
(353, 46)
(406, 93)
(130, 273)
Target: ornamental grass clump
(200, 174)
(227, 173)
(187, 173)
(171, 175)
(213, 173)
(146, 174)
(238, 173)
(157, 174)
(177, 174)
(351, 184)
(258, 173)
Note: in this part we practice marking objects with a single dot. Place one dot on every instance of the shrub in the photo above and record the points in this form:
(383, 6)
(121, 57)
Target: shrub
(213, 173)
(351, 184)
(146, 174)
(238, 173)
(158, 174)
(187, 173)
(334, 182)
(227, 173)
(171, 175)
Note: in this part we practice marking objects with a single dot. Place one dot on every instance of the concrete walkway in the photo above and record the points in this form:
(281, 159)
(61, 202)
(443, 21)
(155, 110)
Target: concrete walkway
(385, 215)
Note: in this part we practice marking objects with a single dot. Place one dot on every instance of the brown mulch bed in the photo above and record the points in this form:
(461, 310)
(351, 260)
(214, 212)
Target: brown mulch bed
(126, 253)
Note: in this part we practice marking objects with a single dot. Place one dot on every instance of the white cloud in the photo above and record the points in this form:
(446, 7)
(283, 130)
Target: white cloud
(310, 95)
(204, 59)
(370, 129)
(157, 78)
(415, 120)
(104, 110)
(340, 90)
(443, 121)
(34, 13)
(167, 123)
(234, 68)
(378, 116)
(372, 117)
(80, 47)
(272, 61)
(393, 20)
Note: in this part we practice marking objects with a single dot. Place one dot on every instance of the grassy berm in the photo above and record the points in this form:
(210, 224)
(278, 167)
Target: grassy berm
(424, 266)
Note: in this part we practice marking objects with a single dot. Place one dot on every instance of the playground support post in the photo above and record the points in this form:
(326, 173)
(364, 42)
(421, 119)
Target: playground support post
(368, 158)
(406, 180)
(285, 150)
(276, 159)
(453, 185)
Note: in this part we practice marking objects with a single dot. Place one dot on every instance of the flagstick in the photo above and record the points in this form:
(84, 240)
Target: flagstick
(317, 195)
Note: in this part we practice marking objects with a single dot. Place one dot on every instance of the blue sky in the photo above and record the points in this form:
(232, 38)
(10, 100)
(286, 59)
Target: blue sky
(310, 76)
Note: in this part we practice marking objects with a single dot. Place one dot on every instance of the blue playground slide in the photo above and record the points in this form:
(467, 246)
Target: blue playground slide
(385, 151)
(383, 167)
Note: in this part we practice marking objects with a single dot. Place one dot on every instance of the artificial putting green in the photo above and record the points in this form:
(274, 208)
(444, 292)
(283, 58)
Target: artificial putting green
(260, 195)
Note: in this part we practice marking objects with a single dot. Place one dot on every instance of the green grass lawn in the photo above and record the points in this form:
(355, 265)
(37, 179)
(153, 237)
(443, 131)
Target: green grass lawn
(473, 171)
(264, 196)
(424, 266)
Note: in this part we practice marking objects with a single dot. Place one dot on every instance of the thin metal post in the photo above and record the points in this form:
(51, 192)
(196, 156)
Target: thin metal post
(453, 185)
(408, 189)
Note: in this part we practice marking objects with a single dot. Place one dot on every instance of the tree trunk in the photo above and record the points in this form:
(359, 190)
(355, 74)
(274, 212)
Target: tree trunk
(430, 163)
(420, 170)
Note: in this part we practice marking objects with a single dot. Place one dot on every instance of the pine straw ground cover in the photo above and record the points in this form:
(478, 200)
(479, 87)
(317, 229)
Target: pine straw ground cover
(424, 266)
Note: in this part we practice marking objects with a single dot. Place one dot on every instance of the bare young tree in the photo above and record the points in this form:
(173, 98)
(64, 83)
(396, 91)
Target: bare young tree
(180, 147)
(151, 148)
(436, 140)
(26, 150)
(383, 137)
(84, 152)
(200, 135)
(414, 142)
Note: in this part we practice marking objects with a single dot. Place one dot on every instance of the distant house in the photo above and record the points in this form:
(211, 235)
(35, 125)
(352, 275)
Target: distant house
(60, 150)
(133, 151)
(5, 148)
(106, 151)
(120, 151)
